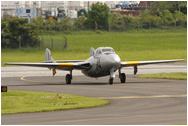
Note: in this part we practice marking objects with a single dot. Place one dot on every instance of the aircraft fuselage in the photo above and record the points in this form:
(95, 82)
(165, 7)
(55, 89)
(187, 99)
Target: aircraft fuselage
(102, 64)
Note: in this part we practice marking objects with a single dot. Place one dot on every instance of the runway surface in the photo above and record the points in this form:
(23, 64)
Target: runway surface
(139, 101)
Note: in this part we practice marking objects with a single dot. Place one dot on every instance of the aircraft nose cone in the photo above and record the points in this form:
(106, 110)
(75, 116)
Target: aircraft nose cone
(115, 60)
(110, 61)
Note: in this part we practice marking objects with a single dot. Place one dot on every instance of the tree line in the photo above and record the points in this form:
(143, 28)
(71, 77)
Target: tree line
(15, 30)
(99, 18)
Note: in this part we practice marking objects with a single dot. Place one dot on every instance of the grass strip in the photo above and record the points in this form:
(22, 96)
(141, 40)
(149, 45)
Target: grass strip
(24, 102)
(174, 76)
(130, 46)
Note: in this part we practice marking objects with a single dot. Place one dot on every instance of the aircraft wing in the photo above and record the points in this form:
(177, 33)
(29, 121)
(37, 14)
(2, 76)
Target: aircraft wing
(62, 66)
(69, 61)
(136, 63)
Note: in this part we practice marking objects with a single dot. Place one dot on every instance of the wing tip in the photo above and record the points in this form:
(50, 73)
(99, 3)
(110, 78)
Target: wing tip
(5, 63)
(179, 60)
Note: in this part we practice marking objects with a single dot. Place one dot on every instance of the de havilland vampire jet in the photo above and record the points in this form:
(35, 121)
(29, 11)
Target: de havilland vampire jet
(102, 62)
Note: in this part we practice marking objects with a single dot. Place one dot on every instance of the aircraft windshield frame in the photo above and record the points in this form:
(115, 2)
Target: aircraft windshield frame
(108, 50)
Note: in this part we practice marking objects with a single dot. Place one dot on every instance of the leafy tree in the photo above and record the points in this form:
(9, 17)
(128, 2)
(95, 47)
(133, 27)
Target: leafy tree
(128, 21)
(14, 28)
(116, 22)
(157, 21)
(66, 24)
(179, 18)
(98, 16)
(49, 24)
(5, 33)
(58, 26)
(79, 22)
(172, 6)
(146, 19)
(166, 17)
(39, 22)
(136, 23)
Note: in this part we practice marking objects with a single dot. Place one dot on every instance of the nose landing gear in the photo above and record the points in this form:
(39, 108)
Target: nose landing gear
(112, 75)
(111, 81)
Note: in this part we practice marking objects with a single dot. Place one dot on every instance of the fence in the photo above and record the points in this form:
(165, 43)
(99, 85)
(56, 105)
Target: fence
(53, 42)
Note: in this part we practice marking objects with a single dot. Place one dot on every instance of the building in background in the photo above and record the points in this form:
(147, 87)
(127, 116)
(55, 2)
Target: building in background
(43, 7)
(48, 9)
(26, 12)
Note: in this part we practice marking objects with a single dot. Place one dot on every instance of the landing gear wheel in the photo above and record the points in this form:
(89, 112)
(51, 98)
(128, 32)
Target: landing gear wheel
(111, 81)
(68, 79)
(123, 78)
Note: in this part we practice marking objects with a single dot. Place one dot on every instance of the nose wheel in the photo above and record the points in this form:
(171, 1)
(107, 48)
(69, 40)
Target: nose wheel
(111, 81)
(112, 75)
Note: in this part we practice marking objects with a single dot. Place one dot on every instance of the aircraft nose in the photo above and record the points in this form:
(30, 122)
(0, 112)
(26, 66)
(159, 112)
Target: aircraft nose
(110, 61)
(116, 59)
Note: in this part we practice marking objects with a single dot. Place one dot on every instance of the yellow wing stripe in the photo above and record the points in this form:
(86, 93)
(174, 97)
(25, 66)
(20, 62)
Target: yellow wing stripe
(66, 64)
(132, 63)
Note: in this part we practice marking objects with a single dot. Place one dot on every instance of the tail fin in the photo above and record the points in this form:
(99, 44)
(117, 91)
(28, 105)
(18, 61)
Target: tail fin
(92, 51)
(48, 56)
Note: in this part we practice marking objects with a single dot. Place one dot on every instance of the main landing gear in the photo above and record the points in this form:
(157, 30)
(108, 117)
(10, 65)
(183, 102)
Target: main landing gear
(122, 76)
(69, 78)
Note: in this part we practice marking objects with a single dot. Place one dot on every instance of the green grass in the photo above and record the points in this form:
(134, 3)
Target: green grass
(24, 102)
(130, 46)
(174, 76)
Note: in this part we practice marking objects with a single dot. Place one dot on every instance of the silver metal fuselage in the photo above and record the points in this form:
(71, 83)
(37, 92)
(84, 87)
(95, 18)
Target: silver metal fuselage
(102, 64)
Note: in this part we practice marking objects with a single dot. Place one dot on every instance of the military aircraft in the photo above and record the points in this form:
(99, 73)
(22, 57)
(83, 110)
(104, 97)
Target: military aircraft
(102, 62)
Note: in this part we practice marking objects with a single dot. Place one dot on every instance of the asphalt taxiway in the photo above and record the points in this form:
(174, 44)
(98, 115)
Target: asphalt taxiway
(138, 101)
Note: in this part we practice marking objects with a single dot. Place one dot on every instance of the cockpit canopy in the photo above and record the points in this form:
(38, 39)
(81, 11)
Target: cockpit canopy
(105, 50)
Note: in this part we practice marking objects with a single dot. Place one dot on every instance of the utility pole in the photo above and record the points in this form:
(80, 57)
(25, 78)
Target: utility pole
(17, 8)
(146, 5)
(19, 42)
(88, 8)
(179, 5)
